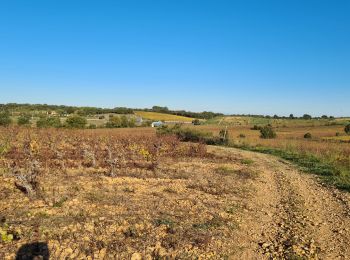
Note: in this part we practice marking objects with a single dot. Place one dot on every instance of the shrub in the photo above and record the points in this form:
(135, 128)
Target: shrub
(267, 132)
(5, 119)
(337, 134)
(114, 122)
(76, 121)
(347, 129)
(46, 122)
(192, 135)
(307, 136)
(196, 122)
(92, 126)
(241, 136)
(123, 121)
(23, 120)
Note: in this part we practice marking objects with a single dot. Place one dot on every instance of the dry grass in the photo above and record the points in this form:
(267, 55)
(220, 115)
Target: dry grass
(324, 143)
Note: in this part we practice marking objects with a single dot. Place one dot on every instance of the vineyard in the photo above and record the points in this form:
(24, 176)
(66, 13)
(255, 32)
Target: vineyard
(114, 194)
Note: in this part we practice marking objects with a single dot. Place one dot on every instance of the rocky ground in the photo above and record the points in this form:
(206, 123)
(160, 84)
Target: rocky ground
(232, 205)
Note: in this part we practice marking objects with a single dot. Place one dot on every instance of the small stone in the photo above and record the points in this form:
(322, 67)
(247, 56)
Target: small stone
(136, 256)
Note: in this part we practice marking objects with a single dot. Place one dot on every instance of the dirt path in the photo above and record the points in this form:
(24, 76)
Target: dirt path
(292, 215)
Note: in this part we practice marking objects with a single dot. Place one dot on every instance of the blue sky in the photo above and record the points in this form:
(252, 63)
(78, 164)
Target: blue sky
(259, 57)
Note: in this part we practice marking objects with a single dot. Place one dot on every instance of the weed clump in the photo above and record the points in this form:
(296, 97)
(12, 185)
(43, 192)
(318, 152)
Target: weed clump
(267, 132)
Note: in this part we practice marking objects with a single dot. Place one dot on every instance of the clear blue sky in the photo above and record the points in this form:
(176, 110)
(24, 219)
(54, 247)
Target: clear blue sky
(264, 57)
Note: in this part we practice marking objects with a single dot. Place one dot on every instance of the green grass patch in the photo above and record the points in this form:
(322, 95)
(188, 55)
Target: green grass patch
(331, 174)
(247, 161)
(224, 170)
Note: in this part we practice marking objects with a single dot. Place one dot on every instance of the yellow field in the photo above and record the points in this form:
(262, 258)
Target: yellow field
(345, 138)
(162, 117)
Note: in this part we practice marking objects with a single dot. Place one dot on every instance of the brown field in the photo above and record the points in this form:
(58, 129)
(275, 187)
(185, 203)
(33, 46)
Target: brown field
(130, 194)
(107, 193)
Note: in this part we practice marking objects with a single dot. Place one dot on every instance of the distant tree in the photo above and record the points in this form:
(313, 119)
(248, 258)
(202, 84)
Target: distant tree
(5, 118)
(76, 121)
(160, 109)
(347, 129)
(45, 122)
(267, 132)
(23, 119)
(306, 116)
(324, 117)
(275, 116)
(291, 116)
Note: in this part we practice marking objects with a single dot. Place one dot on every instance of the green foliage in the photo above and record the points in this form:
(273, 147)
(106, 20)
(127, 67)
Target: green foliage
(123, 121)
(5, 236)
(267, 132)
(23, 119)
(46, 122)
(5, 119)
(307, 136)
(247, 161)
(347, 129)
(76, 121)
(192, 135)
(113, 122)
(306, 116)
(339, 177)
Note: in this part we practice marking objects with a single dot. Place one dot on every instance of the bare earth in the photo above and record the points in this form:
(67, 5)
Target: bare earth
(292, 215)
(230, 205)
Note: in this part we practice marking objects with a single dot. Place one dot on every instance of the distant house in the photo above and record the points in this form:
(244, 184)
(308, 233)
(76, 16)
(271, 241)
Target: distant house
(157, 124)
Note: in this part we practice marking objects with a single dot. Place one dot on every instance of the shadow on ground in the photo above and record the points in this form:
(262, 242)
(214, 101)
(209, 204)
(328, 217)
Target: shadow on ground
(33, 251)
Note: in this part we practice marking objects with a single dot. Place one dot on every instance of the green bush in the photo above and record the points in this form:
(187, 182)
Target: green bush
(5, 119)
(76, 121)
(46, 122)
(113, 122)
(23, 120)
(192, 135)
(267, 132)
(307, 136)
(347, 129)
(123, 121)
